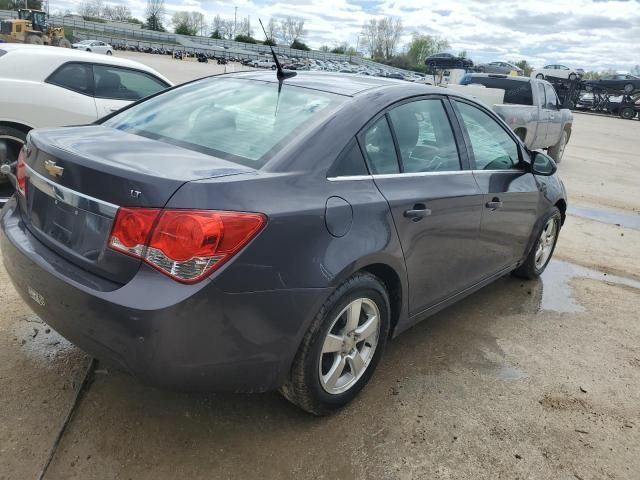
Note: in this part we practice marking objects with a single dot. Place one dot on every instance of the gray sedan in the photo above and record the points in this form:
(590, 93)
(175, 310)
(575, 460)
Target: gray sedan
(499, 67)
(243, 233)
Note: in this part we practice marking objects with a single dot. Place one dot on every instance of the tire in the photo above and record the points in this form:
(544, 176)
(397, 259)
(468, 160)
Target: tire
(12, 140)
(532, 268)
(480, 69)
(34, 40)
(557, 151)
(572, 77)
(628, 113)
(109, 52)
(629, 88)
(273, 67)
(64, 43)
(540, 76)
(89, 50)
(309, 384)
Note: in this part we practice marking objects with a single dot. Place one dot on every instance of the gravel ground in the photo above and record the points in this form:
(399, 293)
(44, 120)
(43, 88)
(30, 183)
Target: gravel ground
(535, 379)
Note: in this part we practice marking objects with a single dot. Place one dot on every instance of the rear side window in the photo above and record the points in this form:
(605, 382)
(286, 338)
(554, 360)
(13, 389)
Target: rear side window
(552, 98)
(541, 94)
(74, 76)
(124, 84)
(246, 121)
(350, 162)
(516, 92)
(425, 137)
(380, 149)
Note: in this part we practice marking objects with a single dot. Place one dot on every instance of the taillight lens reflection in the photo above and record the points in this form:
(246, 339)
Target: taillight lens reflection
(186, 245)
(21, 174)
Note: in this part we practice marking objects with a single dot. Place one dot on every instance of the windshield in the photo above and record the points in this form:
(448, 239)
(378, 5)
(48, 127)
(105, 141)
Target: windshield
(516, 92)
(241, 120)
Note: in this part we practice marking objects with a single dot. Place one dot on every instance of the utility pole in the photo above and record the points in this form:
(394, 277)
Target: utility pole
(235, 21)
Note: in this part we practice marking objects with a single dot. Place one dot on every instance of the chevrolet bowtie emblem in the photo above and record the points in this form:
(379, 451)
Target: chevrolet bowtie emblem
(53, 169)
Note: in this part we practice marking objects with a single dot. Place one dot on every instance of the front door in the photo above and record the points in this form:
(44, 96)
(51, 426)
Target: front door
(436, 205)
(511, 195)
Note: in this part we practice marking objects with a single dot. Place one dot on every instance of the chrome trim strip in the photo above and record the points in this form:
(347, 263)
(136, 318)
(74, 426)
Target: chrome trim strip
(418, 174)
(70, 197)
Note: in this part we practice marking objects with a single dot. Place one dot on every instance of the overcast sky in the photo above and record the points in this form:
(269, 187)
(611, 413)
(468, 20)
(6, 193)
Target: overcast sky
(592, 34)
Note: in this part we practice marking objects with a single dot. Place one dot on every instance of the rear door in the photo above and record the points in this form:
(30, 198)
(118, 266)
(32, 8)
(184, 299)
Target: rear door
(511, 194)
(117, 87)
(542, 130)
(435, 202)
(554, 127)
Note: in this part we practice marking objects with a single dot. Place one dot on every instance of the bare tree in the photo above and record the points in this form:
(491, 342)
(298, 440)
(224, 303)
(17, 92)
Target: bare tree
(118, 12)
(272, 29)
(244, 27)
(381, 36)
(188, 23)
(91, 8)
(291, 29)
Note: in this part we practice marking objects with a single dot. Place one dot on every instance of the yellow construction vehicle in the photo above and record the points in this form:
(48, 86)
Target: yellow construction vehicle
(31, 27)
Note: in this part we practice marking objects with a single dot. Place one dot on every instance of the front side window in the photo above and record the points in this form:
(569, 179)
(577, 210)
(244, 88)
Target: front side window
(541, 94)
(74, 76)
(493, 148)
(246, 121)
(380, 149)
(425, 138)
(124, 84)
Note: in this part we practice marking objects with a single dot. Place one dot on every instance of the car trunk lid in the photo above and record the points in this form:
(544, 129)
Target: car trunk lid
(78, 178)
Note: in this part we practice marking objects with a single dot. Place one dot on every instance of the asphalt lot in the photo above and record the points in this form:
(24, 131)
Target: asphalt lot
(535, 379)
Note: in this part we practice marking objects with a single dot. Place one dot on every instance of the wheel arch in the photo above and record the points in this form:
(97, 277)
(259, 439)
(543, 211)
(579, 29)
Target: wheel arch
(561, 205)
(18, 126)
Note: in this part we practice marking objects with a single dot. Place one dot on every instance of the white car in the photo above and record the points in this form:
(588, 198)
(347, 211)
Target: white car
(42, 86)
(94, 46)
(264, 64)
(557, 71)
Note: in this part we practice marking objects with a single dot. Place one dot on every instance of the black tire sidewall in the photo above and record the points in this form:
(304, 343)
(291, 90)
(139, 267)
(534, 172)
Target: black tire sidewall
(367, 287)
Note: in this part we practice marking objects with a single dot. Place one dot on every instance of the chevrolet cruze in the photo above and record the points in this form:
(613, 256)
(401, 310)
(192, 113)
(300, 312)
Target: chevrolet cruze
(243, 233)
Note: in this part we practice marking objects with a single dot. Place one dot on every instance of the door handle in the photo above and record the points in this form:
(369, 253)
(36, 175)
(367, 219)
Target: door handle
(418, 212)
(494, 204)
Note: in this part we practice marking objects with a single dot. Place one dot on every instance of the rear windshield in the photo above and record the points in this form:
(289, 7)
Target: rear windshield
(241, 120)
(515, 91)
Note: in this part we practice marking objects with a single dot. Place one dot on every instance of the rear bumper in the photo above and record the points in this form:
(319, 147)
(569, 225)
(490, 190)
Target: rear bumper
(191, 337)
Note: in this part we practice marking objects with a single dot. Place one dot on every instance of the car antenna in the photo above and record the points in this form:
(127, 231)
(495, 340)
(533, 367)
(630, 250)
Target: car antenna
(282, 74)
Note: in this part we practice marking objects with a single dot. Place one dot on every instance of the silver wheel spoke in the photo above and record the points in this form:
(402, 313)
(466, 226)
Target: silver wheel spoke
(369, 328)
(353, 315)
(356, 363)
(331, 378)
(332, 343)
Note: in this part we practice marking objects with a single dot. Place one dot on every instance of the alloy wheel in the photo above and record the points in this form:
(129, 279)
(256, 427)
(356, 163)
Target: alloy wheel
(545, 243)
(349, 346)
(12, 146)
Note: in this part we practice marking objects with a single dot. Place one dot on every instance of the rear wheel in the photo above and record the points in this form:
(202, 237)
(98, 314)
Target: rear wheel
(628, 88)
(11, 142)
(628, 113)
(572, 77)
(542, 250)
(540, 76)
(109, 52)
(557, 151)
(342, 347)
(64, 43)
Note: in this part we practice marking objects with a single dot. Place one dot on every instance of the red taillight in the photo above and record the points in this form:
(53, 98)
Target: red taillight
(21, 178)
(187, 245)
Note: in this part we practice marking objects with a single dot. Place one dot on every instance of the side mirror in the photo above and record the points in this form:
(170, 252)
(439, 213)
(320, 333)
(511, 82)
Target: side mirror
(542, 164)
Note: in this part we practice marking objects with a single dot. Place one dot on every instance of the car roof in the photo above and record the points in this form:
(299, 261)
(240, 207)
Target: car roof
(41, 60)
(349, 85)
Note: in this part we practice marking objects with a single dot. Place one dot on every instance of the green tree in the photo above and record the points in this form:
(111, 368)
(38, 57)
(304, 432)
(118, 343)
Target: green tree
(298, 45)
(216, 34)
(245, 39)
(270, 41)
(526, 68)
(423, 46)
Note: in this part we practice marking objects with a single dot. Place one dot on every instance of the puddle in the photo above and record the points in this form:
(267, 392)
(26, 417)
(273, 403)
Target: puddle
(627, 220)
(557, 293)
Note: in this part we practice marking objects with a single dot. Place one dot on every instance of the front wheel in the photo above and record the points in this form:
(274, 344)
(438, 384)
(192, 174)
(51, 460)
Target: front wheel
(543, 249)
(11, 142)
(540, 76)
(572, 77)
(628, 113)
(629, 88)
(109, 52)
(342, 347)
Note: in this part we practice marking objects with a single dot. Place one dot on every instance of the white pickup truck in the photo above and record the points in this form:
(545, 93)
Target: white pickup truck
(528, 105)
